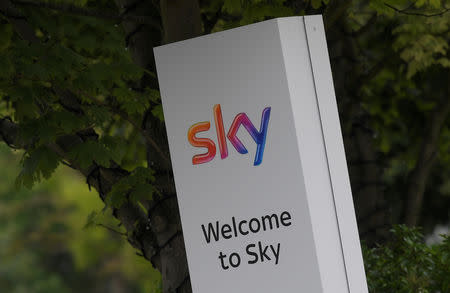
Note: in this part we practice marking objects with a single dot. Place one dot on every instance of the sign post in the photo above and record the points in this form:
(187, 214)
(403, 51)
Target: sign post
(259, 162)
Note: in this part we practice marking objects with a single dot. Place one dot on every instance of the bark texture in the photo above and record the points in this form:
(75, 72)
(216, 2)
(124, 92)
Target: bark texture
(180, 20)
(427, 156)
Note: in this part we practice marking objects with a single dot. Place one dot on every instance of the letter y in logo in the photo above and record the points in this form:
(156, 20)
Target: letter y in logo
(258, 136)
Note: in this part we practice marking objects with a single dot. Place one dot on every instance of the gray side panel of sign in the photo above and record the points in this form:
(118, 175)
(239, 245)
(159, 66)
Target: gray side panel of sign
(312, 149)
(335, 154)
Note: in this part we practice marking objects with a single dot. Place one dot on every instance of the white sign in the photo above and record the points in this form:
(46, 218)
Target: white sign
(258, 159)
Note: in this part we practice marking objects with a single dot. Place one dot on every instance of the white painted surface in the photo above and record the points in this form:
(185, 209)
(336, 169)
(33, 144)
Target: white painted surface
(337, 164)
(246, 70)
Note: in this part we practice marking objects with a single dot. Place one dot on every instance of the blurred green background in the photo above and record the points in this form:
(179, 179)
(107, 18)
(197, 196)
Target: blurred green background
(47, 244)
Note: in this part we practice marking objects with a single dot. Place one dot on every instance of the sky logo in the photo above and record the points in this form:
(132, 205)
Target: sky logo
(241, 119)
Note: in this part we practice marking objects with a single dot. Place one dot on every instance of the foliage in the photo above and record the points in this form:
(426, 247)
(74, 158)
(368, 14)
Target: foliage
(137, 186)
(408, 265)
(42, 230)
(78, 84)
(86, 57)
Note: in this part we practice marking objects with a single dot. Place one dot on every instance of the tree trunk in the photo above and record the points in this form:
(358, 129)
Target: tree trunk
(180, 20)
(157, 234)
(428, 152)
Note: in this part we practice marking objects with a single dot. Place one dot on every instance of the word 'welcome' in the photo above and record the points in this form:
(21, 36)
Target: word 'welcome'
(244, 227)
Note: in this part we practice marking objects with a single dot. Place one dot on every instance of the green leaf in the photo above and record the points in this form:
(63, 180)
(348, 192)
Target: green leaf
(6, 66)
(316, 3)
(262, 11)
(90, 152)
(153, 94)
(141, 192)
(90, 221)
(435, 3)
(116, 199)
(136, 186)
(37, 164)
(6, 33)
(157, 111)
(232, 6)
(381, 8)
(131, 101)
(116, 146)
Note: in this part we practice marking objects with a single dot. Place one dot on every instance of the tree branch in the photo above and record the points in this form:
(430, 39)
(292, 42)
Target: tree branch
(365, 27)
(209, 24)
(181, 19)
(9, 133)
(101, 178)
(406, 12)
(126, 117)
(373, 71)
(67, 95)
(16, 18)
(144, 133)
(80, 11)
(335, 10)
(112, 229)
(427, 156)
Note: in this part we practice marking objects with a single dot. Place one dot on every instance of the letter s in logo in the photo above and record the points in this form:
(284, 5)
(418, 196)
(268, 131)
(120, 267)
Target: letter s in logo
(201, 142)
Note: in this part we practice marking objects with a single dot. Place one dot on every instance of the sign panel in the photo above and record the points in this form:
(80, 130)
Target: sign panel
(258, 160)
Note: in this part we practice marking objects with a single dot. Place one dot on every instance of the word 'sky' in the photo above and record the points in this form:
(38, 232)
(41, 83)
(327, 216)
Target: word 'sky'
(241, 119)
